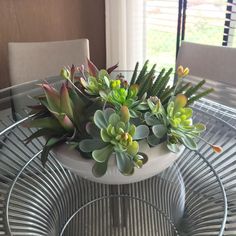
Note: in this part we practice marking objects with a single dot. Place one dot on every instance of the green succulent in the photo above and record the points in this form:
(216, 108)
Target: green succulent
(156, 119)
(57, 117)
(116, 136)
(104, 117)
(93, 85)
(181, 128)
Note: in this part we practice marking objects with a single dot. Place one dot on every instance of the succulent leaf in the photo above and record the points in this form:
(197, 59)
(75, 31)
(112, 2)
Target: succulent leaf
(100, 120)
(124, 163)
(153, 140)
(47, 122)
(93, 70)
(159, 130)
(99, 169)
(89, 145)
(173, 147)
(52, 96)
(103, 154)
(133, 148)
(142, 131)
(65, 102)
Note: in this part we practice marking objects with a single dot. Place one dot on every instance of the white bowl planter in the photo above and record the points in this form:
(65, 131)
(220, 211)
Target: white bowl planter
(159, 158)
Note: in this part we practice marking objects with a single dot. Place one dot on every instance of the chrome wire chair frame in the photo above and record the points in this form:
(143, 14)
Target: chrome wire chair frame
(187, 199)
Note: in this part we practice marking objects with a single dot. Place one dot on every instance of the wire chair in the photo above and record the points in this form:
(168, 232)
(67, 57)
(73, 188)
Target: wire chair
(189, 198)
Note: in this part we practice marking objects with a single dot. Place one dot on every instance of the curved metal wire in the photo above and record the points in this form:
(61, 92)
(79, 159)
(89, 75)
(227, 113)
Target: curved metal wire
(192, 194)
(42, 200)
(168, 227)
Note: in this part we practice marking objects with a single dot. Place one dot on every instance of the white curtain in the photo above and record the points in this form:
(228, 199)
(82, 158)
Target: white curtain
(124, 33)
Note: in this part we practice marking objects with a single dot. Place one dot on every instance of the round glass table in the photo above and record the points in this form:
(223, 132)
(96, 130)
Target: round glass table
(195, 196)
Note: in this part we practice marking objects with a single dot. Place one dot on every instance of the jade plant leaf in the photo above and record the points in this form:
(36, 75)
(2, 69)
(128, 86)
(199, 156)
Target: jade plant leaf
(88, 145)
(189, 142)
(173, 147)
(114, 119)
(103, 154)
(153, 140)
(124, 163)
(99, 169)
(142, 131)
(151, 119)
(100, 120)
(133, 148)
(159, 130)
(92, 130)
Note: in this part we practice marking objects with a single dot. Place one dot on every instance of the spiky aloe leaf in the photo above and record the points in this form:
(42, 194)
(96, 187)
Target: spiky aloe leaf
(103, 154)
(142, 72)
(44, 132)
(89, 145)
(47, 122)
(192, 90)
(134, 76)
(65, 102)
(51, 142)
(183, 88)
(166, 94)
(124, 163)
(52, 96)
(157, 82)
(112, 68)
(146, 86)
(163, 82)
(65, 121)
(99, 169)
(93, 70)
(142, 131)
(200, 95)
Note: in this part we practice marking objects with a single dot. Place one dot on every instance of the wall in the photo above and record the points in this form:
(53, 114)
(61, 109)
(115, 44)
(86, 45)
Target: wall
(51, 20)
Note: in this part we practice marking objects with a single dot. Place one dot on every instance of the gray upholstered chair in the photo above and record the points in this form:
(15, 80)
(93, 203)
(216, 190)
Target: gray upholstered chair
(215, 64)
(34, 61)
(37, 60)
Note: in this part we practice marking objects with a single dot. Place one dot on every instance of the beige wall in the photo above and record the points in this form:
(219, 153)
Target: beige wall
(51, 20)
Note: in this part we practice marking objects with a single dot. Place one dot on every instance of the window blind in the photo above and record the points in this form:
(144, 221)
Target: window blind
(210, 22)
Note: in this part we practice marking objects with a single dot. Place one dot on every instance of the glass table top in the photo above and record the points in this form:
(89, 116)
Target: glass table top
(195, 196)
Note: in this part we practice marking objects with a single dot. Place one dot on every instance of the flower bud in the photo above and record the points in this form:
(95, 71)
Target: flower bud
(125, 116)
(182, 72)
(217, 149)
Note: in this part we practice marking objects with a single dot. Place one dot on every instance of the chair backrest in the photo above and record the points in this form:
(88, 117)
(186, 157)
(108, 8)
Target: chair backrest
(38, 60)
(215, 64)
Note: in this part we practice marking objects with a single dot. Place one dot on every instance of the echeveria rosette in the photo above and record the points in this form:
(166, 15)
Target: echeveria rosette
(124, 96)
(157, 121)
(94, 84)
(181, 129)
(117, 135)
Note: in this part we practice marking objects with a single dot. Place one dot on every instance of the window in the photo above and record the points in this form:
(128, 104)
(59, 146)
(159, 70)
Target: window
(202, 21)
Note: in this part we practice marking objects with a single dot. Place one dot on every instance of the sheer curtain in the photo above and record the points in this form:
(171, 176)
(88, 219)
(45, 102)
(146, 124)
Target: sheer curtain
(125, 33)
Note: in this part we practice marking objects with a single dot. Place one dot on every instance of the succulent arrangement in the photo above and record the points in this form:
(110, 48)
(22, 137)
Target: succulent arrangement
(103, 117)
